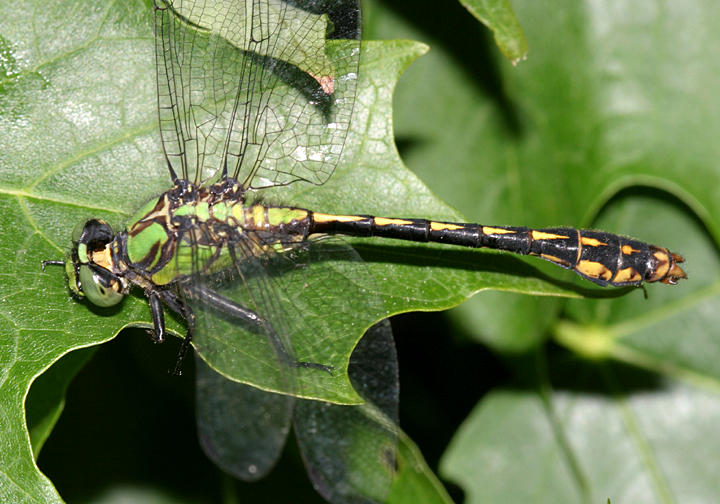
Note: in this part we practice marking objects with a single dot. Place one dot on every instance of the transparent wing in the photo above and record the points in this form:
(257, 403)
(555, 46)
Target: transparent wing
(241, 428)
(240, 329)
(263, 89)
(301, 298)
(302, 294)
(350, 451)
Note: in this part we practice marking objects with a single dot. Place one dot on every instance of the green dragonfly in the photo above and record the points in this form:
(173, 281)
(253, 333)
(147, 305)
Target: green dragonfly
(279, 77)
(254, 95)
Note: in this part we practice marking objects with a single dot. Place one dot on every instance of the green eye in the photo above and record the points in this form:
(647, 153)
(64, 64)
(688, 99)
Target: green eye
(78, 231)
(96, 292)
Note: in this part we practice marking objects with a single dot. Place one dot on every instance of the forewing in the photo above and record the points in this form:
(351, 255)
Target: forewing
(261, 88)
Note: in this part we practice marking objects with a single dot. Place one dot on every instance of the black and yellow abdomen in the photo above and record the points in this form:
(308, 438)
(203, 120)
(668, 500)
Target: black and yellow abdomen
(603, 258)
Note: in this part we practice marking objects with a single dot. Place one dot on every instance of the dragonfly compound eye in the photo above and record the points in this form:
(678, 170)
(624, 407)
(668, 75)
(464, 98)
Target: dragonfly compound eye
(99, 290)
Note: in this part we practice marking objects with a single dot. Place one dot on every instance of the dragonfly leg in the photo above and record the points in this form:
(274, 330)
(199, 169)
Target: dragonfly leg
(315, 365)
(158, 317)
(190, 317)
(229, 307)
(45, 263)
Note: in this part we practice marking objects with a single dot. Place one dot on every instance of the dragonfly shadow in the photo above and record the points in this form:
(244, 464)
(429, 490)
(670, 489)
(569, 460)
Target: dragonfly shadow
(343, 15)
(303, 83)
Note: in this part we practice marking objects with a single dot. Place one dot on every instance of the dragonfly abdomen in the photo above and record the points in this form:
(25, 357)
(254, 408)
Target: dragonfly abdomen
(603, 258)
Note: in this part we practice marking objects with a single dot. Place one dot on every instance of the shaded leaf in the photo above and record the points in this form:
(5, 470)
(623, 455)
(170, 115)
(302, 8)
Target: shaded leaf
(626, 438)
(609, 125)
(414, 480)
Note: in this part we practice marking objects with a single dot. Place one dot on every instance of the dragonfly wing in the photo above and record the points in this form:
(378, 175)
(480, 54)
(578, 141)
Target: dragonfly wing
(302, 295)
(241, 428)
(241, 330)
(256, 87)
(350, 451)
(241, 335)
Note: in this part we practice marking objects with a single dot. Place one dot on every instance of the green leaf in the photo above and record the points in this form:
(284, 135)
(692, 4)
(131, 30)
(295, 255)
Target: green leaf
(500, 18)
(592, 112)
(79, 140)
(607, 433)
(414, 481)
(609, 124)
(67, 114)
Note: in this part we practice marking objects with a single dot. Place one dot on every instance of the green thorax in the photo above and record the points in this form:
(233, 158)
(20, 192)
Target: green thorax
(191, 225)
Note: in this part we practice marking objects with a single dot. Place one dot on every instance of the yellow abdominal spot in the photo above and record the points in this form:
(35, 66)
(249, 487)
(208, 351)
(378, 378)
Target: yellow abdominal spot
(492, 230)
(539, 235)
(384, 221)
(278, 216)
(592, 242)
(258, 216)
(443, 226)
(556, 260)
(628, 250)
(627, 275)
(663, 265)
(593, 269)
(325, 218)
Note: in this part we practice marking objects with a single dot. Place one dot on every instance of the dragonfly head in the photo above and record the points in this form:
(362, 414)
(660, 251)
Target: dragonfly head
(89, 264)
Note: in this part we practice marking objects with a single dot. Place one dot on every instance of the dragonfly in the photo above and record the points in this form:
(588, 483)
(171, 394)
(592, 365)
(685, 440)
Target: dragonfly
(253, 96)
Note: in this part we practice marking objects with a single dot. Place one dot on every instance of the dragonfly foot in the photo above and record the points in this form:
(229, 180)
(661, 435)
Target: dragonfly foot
(45, 263)
(154, 337)
(315, 365)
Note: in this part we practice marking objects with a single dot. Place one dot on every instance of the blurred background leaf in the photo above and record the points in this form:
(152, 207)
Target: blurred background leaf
(609, 123)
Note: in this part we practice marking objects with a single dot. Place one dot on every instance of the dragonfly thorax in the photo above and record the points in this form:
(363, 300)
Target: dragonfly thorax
(195, 229)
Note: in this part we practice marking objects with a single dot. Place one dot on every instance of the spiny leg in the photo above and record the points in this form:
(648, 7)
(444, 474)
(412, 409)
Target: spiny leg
(55, 263)
(214, 300)
(277, 343)
(158, 316)
(190, 317)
